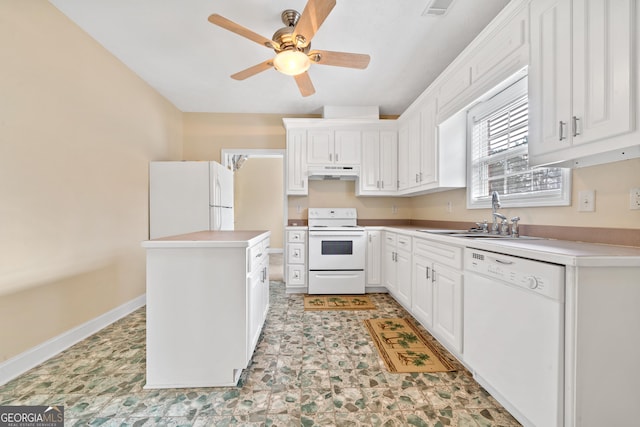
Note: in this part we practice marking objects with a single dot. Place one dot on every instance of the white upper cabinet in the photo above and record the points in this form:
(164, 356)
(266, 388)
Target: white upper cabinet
(497, 53)
(431, 157)
(379, 166)
(581, 79)
(297, 179)
(333, 147)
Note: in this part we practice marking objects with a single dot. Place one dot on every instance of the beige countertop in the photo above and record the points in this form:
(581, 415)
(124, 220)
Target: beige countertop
(549, 250)
(218, 239)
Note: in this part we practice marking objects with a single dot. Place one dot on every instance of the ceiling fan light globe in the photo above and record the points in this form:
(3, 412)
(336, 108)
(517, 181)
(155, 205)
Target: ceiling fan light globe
(291, 62)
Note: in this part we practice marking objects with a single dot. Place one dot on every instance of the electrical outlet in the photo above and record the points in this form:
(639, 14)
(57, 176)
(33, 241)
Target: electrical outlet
(449, 207)
(587, 201)
(634, 198)
(394, 209)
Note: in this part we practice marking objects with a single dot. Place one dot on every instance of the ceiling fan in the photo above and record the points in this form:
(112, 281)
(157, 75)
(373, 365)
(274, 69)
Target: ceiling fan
(292, 45)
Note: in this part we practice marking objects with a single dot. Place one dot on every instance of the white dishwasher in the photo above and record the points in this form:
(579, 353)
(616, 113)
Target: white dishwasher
(513, 333)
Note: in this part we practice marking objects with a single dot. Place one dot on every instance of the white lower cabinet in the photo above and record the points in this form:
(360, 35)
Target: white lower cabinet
(374, 267)
(257, 292)
(397, 263)
(220, 293)
(295, 259)
(437, 291)
(447, 306)
(422, 308)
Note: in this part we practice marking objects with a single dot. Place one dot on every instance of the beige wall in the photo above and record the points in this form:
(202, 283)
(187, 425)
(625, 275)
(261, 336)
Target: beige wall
(206, 134)
(611, 183)
(77, 129)
(341, 194)
(259, 197)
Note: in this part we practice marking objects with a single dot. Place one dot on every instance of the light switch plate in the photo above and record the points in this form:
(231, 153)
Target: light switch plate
(587, 201)
(634, 199)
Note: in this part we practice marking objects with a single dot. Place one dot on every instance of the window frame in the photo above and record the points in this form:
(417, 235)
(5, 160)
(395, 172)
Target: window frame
(489, 104)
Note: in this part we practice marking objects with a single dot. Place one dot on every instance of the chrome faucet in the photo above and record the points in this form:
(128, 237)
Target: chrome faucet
(495, 204)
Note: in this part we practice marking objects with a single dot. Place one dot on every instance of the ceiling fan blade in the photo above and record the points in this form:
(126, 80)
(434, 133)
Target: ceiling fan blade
(304, 84)
(340, 59)
(313, 15)
(225, 23)
(252, 71)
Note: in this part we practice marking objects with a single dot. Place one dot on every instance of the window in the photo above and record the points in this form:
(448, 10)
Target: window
(498, 130)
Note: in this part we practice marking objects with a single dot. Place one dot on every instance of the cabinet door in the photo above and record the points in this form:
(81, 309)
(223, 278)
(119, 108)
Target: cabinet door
(447, 313)
(403, 266)
(347, 147)
(603, 40)
(297, 162)
(422, 301)
(549, 78)
(388, 160)
(390, 269)
(428, 167)
(415, 151)
(373, 257)
(320, 147)
(403, 156)
(254, 295)
(370, 167)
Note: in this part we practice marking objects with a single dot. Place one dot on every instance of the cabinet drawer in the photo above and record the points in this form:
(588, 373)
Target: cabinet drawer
(404, 242)
(296, 253)
(257, 253)
(296, 275)
(442, 253)
(296, 236)
(390, 238)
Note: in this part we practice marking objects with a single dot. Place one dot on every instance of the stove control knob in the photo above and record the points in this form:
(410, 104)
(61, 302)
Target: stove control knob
(532, 282)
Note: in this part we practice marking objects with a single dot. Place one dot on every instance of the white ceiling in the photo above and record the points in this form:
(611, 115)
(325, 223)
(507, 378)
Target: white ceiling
(171, 45)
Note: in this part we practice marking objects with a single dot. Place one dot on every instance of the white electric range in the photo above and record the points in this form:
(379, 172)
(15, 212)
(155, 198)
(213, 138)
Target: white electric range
(337, 251)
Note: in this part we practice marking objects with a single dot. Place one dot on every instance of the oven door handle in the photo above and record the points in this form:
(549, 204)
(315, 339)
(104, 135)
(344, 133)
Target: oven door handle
(336, 233)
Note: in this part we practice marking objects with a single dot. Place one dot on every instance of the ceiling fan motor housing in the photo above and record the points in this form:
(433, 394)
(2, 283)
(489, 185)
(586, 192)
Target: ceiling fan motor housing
(284, 36)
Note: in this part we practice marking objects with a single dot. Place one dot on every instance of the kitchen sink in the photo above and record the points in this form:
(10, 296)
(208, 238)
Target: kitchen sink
(476, 234)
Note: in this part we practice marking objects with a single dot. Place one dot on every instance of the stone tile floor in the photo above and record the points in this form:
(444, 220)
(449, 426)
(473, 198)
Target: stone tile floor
(310, 368)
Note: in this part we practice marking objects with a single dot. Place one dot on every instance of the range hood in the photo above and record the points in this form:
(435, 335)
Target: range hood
(333, 172)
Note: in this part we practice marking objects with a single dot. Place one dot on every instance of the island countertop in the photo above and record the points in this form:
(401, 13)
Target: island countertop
(213, 239)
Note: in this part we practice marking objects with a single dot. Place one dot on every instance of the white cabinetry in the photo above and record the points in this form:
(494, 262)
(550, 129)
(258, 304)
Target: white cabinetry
(379, 166)
(582, 78)
(216, 283)
(297, 179)
(430, 158)
(437, 291)
(333, 147)
(397, 270)
(258, 290)
(374, 248)
(497, 53)
(296, 259)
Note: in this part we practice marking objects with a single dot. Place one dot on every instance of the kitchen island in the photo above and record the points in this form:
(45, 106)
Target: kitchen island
(207, 299)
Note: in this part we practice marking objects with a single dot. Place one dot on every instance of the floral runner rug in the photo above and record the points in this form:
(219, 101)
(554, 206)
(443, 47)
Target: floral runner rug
(403, 348)
(338, 302)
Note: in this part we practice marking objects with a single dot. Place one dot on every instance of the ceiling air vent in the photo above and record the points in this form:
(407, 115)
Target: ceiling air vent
(437, 7)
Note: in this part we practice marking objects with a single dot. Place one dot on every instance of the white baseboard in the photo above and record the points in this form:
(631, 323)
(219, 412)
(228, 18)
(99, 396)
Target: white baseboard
(31, 358)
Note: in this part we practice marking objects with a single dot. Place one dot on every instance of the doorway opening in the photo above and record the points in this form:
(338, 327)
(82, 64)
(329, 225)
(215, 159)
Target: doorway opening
(260, 199)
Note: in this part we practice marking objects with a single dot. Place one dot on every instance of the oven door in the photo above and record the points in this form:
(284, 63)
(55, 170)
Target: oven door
(337, 250)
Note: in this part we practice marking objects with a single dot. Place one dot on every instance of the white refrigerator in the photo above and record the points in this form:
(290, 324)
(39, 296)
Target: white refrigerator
(189, 196)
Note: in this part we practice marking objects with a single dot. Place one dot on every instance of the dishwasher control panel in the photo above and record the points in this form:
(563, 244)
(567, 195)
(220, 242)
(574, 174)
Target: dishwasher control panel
(536, 276)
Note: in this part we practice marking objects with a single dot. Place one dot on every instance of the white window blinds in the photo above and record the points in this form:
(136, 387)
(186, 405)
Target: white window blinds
(499, 159)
